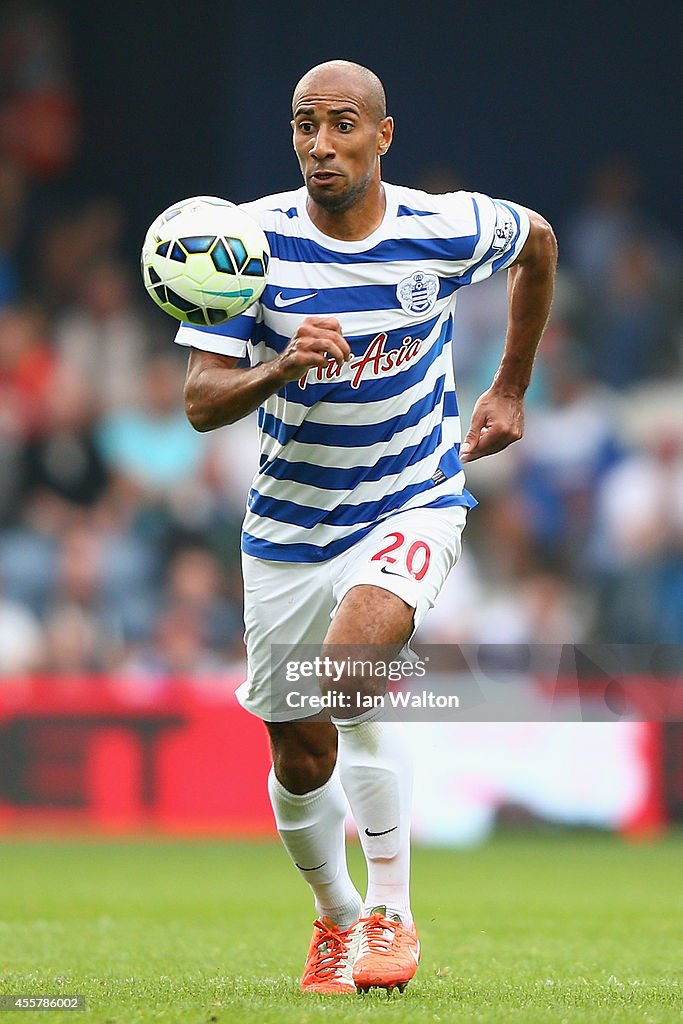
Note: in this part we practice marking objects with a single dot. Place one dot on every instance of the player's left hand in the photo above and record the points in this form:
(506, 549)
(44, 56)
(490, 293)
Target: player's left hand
(497, 421)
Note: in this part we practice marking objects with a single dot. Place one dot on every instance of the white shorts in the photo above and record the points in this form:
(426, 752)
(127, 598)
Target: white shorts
(291, 603)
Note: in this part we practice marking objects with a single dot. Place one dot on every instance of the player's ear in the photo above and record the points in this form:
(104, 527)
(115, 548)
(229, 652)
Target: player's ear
(385, 134)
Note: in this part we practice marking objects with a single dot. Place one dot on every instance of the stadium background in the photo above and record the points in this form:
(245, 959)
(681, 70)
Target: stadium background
(119, 581)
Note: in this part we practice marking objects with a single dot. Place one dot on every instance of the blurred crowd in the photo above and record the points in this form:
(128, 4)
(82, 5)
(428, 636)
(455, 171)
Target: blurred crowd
(119, 525)
(579, 537)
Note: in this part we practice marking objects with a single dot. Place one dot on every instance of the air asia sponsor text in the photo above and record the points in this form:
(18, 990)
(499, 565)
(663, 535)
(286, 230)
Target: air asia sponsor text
(375, 361)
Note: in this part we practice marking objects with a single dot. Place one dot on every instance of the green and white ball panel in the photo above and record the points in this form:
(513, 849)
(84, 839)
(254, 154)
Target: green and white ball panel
(204, 260)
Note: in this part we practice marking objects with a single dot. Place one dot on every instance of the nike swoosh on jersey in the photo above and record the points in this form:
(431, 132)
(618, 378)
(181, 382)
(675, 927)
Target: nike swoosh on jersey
(385, 833)
(281, 302)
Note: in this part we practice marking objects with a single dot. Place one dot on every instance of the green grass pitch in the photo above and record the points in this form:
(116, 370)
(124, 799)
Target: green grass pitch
(529, 928)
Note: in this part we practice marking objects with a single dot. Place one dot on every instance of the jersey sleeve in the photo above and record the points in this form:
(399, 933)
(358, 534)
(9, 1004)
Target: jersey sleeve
(501, 229)
(228, 339)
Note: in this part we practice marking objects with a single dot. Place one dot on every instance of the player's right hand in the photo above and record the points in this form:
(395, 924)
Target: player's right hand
(317, 340)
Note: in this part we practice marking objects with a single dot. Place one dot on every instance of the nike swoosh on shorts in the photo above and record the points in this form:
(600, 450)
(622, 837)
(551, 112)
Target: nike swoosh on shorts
(390, 572)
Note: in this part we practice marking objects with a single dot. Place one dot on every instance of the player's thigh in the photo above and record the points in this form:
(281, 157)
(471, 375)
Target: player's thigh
(408, 558)
(370, 615)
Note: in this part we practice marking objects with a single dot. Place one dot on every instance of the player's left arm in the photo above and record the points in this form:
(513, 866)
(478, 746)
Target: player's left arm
(498, 417)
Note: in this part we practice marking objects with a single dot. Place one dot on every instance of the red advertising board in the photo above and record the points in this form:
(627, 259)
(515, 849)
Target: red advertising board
(93, 752)
(184, 757)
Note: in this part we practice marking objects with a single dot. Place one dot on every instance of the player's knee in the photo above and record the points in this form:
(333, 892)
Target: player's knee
(303, 758)
(301, 771)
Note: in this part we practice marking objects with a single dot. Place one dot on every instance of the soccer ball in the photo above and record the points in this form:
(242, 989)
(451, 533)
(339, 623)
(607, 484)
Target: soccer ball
(204, 260)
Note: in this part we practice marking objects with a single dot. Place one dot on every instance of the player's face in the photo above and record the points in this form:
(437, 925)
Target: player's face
(338, 142)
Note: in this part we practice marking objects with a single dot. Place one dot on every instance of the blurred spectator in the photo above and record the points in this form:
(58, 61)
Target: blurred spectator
(481, 316)
(104, 567)
(541, 609)
(176, 650)
(537, 608)
(71, 248)
(12, 201)
(628, 270)
(65, 460)
(39, 117)
(481, 324)
(21, 639)
(638, 544)
(55, 556)
(501, 534)
(630, 340)
(452, 619)
(155, 455)
(75, 646)
(231, 462)
(569, 445)
(195, 584)
(103, 340)
(28, 551)
(81, 634)
(604, 224)
(10, 474)
(27, 372)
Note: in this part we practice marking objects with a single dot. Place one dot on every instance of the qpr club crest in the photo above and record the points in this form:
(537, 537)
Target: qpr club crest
(418, 293)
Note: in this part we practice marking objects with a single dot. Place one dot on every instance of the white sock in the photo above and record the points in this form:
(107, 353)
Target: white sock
(375, 767)
(311, 826)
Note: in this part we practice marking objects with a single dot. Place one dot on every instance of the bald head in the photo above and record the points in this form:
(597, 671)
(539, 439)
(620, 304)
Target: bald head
(345, 73)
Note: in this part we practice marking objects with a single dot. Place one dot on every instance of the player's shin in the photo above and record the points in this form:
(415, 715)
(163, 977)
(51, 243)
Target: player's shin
(311, 827)
(376, 772)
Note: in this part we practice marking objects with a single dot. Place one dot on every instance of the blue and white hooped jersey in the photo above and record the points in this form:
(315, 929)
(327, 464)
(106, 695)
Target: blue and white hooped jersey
(344, 448)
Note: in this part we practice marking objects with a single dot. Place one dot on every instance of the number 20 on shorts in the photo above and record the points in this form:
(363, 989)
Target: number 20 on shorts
(417, 556)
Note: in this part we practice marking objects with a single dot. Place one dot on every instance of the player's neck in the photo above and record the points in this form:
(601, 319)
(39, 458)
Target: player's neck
(354, 224)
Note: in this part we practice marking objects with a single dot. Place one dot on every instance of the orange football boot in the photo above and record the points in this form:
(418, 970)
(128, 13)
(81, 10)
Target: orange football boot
(388, 952)
(330, 958)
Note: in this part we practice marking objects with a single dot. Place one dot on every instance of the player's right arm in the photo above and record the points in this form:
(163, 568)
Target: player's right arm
(218, 391)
